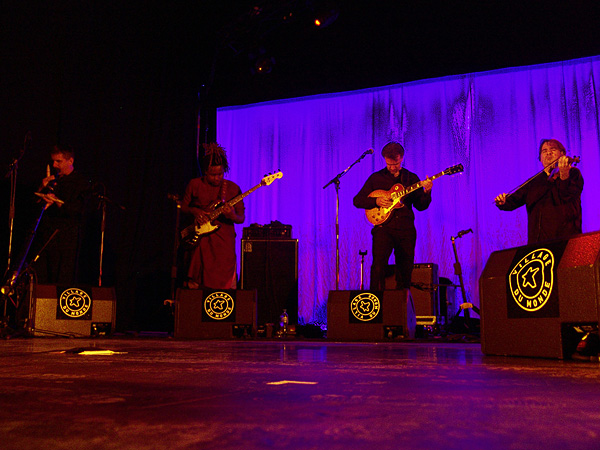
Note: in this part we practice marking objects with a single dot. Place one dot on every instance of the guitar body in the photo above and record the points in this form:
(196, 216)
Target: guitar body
(379, 215)
(191, 234)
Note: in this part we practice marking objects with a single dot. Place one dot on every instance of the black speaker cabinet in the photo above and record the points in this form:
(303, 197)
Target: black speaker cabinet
(215, 314)
(370, 315)
(424, 290)
(271, 267)
(75, 311)
(532, 296)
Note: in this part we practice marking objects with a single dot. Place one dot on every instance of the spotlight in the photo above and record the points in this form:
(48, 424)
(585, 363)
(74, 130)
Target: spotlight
(261, 61)
(326, 17)
(264, 64)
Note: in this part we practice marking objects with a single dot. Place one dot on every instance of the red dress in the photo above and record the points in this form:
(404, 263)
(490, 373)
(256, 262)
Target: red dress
(212, 263)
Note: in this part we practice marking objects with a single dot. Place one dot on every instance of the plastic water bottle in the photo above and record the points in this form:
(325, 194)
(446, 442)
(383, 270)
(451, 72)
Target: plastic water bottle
(284, 321)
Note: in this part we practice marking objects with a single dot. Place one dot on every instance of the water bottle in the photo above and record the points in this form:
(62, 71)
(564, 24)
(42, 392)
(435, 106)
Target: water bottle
(284, 321)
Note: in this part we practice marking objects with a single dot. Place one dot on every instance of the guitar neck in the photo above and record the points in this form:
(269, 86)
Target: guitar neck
(418, 185)
(217, 212)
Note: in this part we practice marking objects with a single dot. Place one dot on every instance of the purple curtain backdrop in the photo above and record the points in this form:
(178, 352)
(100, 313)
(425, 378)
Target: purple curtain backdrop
(490, 122)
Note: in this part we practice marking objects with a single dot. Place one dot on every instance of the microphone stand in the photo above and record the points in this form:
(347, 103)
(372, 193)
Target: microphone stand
(13, 168)
(362, 270)
(102, 205)
(176, 240)
(336, 180)
(12, 172)
(10, 283)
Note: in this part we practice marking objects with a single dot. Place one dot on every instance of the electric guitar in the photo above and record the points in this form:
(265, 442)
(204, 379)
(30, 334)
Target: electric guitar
(379, 215)
(190, 235)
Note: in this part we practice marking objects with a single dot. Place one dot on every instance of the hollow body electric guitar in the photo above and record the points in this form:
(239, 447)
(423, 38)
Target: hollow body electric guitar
(190, 235)
(379, 215)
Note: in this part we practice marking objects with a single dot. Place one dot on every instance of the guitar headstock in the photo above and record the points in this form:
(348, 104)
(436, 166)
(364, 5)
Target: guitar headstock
(270, 178)
(458, 168)
(174, 197)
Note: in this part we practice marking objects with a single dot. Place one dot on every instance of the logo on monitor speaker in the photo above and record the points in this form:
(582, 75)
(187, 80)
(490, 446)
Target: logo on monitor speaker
(75, 303)
(365, 306)
(532, 279)
(218, 305)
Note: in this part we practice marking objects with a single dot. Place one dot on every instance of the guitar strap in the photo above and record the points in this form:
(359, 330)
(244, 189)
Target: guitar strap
(223, 190)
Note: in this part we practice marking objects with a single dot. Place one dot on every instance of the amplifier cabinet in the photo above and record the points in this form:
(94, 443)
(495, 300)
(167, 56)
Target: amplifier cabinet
(215, 314)
(271, 267)
(74, 311)
(424, 289)
(370, 315)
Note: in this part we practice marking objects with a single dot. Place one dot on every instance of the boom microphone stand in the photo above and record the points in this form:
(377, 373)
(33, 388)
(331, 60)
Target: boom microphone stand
(10, 288)
(336, 180)
(12, 173)
(174, 260)
(102, 205)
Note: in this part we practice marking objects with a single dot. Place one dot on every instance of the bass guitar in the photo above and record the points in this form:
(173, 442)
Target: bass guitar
(379, 215)
(191, 234)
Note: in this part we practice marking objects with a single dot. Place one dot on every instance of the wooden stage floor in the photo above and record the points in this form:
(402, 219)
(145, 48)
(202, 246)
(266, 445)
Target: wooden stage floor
(160, 393)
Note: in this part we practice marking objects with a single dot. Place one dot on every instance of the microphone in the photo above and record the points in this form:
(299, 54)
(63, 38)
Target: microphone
(463, 232)
(27, 143)
(51, 184)
(369, 152)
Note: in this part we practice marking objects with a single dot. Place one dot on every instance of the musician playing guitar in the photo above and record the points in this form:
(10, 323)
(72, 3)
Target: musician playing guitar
(212, 262)
(395, 231)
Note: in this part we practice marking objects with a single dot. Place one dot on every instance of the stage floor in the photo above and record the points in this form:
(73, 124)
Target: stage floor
(167, 394)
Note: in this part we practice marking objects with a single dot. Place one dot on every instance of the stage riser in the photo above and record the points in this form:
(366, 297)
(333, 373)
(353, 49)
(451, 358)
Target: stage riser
(43, 314)
(576, 283)
(397, 313)
(191, 321)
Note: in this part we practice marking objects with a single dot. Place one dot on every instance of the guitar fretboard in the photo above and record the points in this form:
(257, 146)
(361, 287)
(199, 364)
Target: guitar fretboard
(217, 212)
(418, 185)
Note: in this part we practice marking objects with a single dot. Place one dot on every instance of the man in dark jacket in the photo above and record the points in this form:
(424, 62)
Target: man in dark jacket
(65, 193)
(397, 232)
(552, 198)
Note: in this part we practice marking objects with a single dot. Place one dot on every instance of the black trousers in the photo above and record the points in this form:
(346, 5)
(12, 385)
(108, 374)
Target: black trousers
(58, 263)
(386, 241)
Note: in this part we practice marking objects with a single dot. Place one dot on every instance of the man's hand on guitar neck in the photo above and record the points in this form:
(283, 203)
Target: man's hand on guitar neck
(427, 184)
(230, 213)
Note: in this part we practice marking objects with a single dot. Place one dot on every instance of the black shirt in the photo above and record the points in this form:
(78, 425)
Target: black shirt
(400, 218)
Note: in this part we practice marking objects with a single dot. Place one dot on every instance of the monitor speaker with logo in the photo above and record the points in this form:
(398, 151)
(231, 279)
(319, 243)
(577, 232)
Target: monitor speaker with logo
(215, 314)
(370, 315)
(533, 296)
(74, 311)
(271, 267)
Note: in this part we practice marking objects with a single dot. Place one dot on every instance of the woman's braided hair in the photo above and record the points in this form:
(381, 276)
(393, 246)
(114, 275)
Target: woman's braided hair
(215, 155)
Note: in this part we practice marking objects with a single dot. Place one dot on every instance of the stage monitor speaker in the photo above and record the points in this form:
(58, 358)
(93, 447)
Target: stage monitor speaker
(533, 296)
(215, 314)
(74, 311)
(424, 289)
(370, 315)
(271, 267)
